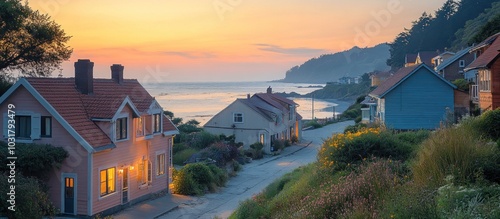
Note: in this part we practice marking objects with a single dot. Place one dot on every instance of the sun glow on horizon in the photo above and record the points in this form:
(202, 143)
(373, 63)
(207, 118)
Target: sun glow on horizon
(221, 40)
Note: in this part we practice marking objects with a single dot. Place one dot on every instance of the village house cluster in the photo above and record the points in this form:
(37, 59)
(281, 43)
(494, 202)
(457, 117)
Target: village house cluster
(120, 142)
(421, 95)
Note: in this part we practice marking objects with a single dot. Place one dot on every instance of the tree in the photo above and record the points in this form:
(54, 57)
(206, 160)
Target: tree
(490, 28)
(30, 43)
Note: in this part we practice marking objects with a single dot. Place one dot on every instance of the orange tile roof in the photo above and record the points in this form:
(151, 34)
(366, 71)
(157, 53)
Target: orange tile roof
(79, 109)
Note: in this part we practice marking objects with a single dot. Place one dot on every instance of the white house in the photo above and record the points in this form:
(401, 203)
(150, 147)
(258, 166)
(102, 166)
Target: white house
(264, 117)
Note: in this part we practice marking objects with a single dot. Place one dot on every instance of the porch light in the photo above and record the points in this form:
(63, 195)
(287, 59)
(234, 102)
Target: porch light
(131, 168)
(120, 171)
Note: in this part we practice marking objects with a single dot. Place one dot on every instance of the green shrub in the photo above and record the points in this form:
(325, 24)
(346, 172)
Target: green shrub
(358, 119)
(313, 123)
(179, 147)
(275, 187)
(250, 209)
(236, 166)
(294, 139)
(219, 174)
(31, 199)
(37, 160)
(456, 152)
(354, 128)
(201, 139)
(343, 150)
(184, 184)
(468, 202)
(413, 137)
(181, 156)
(278, 144)
(490, 124)
(201, 173)
(409, 201)
(220, 152)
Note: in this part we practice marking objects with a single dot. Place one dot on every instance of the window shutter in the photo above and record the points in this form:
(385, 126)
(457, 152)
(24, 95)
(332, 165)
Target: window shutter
(140, 173)
(35, 126)
(150, 171)
(5, 125)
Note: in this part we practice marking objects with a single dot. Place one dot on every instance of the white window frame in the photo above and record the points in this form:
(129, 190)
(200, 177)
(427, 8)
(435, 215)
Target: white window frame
(115, 181)
(157, 164)
(113, 127)
(485, 81)
(154, 124)
(242, 117)
(138, 127)
(147, 173)
(35, 126)
(49, 127)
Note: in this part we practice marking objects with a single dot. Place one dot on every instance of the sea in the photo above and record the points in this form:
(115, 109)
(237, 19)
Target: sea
(202, 100)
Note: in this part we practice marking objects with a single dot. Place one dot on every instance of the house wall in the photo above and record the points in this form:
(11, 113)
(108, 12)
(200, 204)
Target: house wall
(495, 83)
(246, 132)
(130, 153)
(462, 103)
(454, 71)
(419, 102)
(486, 97)
(75, 163)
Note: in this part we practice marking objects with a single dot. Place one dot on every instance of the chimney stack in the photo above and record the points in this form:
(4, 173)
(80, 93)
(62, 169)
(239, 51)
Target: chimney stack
(269, 90)
(248, 96)
(84, 76)
(117, 73)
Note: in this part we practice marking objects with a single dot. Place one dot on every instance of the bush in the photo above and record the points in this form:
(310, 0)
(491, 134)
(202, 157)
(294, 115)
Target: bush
(179, 147)
(354, 128)
(221, 153)
(250, 209)
(343, 150)
(294, 139)
(355, 196)
(201, 173)
(202, 140)
(313, 123)
(489, 124)
(236, 166)
(219, 174)
(459, 153)
(278, 144)
(180, 157)
(31, 199)
(184, 184)
(468, 202)
(35, 160)
(358, 119)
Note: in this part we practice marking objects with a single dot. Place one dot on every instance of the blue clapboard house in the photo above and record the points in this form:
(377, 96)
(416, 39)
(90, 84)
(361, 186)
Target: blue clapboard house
(415, 97)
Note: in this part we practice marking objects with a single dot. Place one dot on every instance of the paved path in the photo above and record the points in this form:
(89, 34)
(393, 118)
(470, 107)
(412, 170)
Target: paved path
(254, 178)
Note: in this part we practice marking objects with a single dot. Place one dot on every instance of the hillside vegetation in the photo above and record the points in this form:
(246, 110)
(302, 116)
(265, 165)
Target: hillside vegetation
(378, 173)
(448, 28)
(330, 67)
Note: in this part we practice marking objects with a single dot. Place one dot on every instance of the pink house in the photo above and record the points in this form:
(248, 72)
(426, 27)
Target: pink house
(118, 139)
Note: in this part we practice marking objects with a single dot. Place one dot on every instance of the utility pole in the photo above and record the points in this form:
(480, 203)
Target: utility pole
(334, 116)
(312, 106)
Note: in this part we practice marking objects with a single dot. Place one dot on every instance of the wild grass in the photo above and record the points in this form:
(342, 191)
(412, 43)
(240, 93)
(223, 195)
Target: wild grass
(181, 156)
(458, 152)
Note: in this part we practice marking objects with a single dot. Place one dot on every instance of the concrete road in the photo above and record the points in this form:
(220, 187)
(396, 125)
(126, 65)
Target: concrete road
(255, 177)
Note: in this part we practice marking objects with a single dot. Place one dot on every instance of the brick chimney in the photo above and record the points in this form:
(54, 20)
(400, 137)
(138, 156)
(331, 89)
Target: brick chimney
(117, 73)
(269, 90)
(84, 76)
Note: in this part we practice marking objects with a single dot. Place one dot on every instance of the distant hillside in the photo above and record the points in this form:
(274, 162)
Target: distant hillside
(331, 67)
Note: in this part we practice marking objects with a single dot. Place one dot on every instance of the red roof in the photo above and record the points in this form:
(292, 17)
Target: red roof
(393, 80)
(79, 109)
(487, 58)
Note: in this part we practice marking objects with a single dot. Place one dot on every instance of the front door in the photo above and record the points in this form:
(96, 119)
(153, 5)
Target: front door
(125, 186)
(69, 195)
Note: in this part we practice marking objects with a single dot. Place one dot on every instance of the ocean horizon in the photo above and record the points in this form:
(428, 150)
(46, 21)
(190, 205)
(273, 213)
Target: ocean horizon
(202, 100)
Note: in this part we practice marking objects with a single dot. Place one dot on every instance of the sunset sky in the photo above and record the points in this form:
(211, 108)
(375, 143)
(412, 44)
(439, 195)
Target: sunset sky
(222, 40)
